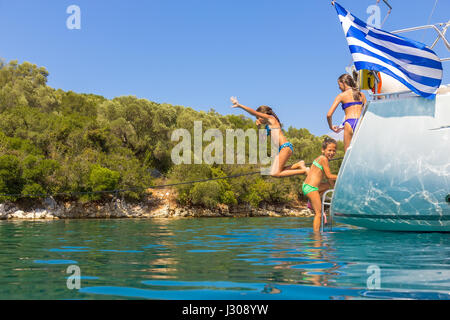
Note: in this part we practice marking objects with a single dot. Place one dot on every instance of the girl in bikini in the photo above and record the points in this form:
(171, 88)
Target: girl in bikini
(266, 116)
(352, 101)
(313, 186)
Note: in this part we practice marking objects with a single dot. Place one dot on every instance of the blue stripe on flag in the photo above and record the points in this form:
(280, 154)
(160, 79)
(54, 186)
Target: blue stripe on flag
(410, 58)
(413, 64)
(392, 38)
(431, 82)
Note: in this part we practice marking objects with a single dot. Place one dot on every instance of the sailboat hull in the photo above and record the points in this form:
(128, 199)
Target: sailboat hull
(396, 173)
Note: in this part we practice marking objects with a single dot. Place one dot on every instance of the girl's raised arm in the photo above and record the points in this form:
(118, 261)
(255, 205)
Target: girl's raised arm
(255, 113)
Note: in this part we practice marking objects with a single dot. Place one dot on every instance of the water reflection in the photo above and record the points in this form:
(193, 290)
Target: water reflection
(247, 258)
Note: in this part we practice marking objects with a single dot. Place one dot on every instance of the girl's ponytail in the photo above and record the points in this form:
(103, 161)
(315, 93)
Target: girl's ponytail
(348, 80)
(268, 110)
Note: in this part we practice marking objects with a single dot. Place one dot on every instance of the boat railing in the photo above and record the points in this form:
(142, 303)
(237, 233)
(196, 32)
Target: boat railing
(326, 201)
(391, 95)
(441, 30)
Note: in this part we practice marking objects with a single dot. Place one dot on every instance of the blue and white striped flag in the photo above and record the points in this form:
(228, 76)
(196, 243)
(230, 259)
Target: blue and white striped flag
(406, 60)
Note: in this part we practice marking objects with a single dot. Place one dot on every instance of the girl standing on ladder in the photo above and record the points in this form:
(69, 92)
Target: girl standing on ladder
(313, 186)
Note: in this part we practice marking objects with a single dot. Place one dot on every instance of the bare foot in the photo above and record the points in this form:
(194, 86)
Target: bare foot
(299, 165)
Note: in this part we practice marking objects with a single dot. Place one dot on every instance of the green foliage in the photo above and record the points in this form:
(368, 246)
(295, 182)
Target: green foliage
(229, 198)
(11, 181)
(56, 138)
(207, 194)
(52, 141)
(33, 190)
(102, 179)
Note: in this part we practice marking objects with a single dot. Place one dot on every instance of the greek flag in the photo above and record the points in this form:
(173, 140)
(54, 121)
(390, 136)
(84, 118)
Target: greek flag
(406, 60)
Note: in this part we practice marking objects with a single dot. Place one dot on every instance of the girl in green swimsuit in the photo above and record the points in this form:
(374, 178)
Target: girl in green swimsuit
(313, 186)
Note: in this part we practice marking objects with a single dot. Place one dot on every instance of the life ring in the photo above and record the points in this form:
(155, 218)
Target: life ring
(378, 87)
(367, 80)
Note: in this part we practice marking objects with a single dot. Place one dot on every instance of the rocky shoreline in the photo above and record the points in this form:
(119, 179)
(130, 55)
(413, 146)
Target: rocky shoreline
(156, 207)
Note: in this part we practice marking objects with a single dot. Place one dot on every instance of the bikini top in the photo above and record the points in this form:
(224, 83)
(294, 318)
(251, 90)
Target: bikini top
(349, 104)
(269, 130)
(318, 165)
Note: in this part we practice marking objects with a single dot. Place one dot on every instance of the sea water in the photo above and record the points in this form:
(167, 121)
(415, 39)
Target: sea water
(218, 259)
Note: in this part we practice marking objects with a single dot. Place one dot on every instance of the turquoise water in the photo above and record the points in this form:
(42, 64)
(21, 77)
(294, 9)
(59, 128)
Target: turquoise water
(219, 258)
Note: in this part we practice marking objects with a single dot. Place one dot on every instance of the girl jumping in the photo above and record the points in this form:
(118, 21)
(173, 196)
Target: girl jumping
(266, 116)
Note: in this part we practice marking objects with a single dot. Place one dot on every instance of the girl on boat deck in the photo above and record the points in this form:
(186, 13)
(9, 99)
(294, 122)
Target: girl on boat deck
(352, 101)
(313, 187)
(266, 116)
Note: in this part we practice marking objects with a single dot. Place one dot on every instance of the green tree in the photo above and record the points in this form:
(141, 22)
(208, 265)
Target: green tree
(11, 181)
(102, 179)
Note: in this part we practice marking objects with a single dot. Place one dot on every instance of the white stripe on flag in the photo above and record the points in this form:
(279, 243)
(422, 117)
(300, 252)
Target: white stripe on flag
(365, 58)
(397, 47)
(419, 70)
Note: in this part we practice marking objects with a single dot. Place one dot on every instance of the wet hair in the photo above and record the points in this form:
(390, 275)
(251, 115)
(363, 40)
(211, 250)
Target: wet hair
(268, 110)
(328, 141)
(351, 82)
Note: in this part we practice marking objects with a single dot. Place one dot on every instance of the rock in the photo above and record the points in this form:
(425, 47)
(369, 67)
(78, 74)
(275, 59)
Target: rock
(7, 207)
(19, 214)
(29, 215)
(40, 214)
(50, 203)
(59, 212)
(274, 214)
(306, 213)
(11, 209)
(3, 212)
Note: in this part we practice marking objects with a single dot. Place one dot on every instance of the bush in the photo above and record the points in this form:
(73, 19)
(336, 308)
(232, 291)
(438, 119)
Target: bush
(229, 198)
(11, 181)
(207, 194)
(34, 190)
(102, 179)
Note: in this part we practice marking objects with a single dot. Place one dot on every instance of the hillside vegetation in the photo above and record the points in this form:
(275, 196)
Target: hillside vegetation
(53, 141)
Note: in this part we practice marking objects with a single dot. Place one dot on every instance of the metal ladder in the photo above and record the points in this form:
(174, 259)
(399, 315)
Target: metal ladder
(327, 203)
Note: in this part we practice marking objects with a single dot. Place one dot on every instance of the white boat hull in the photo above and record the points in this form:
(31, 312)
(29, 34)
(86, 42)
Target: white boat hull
(396, 173)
